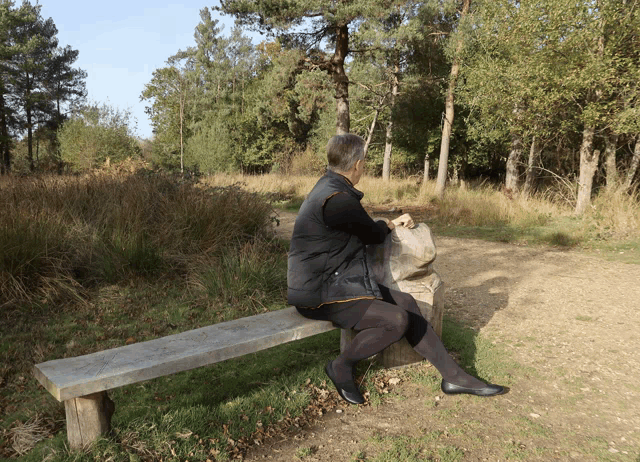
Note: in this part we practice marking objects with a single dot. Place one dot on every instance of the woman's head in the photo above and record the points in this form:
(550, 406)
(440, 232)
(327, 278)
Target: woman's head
(343, 151)
(345, 154)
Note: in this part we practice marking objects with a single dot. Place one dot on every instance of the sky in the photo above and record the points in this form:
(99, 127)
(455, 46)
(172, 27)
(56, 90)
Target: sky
(122, 42)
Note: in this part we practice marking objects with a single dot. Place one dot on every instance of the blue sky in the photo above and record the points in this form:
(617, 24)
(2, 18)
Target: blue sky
(121, 43)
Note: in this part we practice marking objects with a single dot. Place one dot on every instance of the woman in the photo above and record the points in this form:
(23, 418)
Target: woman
(329, 278)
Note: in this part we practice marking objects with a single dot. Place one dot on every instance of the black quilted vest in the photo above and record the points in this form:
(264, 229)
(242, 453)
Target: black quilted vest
(327, 265)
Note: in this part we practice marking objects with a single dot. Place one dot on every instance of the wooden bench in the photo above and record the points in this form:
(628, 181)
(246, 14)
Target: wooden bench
(82, 382)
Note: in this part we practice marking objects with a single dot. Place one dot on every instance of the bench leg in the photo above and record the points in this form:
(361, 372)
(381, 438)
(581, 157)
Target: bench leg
(88, 417)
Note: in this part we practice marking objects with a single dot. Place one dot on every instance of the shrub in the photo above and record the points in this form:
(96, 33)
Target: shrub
(61, 235)
(97, 134)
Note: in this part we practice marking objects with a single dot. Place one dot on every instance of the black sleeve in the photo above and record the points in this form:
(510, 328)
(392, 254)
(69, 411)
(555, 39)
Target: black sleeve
(345, 213)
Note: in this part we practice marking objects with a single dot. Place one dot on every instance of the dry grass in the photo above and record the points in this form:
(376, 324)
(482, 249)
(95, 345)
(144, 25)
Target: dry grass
(25, 435)
(472, 205)
(61, 235)
(613, 215)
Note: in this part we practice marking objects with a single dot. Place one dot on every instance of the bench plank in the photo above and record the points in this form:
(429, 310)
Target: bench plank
(83, 375)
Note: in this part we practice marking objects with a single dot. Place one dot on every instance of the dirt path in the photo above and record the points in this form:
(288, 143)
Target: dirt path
(570, 325)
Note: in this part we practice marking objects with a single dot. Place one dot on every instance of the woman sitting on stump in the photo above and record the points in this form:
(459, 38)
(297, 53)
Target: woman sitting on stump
(329, 278)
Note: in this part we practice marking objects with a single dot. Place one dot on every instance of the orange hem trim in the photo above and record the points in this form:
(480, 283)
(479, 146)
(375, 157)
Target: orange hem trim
(347, 300)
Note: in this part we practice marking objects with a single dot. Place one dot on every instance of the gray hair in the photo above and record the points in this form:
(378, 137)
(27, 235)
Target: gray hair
(343, 151)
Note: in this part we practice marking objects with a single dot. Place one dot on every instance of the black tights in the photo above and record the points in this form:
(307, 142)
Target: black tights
(387, 321)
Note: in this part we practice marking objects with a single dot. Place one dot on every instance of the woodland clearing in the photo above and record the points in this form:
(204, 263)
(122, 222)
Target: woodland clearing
(565, 323)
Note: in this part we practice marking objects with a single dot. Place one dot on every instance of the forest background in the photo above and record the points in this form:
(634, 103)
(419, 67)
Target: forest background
(544, 91)
(526, 112)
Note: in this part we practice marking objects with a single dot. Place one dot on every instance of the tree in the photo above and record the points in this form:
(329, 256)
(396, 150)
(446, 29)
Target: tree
(449, 107)
(387, 44)
(64, 83)
(30, 71)
(11, 119)
(558, 72)
(170, 89)
(311, 26)
(95, 134)
(37, 77)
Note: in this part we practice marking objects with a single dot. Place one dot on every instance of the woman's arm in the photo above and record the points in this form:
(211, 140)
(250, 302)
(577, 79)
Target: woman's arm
(345, 213)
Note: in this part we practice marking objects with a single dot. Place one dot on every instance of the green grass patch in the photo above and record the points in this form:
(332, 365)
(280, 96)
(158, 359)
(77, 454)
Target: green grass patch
(623, 251)
(197, 413)
(478, 356)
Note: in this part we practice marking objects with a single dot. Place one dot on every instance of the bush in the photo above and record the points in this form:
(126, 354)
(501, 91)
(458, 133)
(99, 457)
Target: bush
(62, 235)
(97, 134)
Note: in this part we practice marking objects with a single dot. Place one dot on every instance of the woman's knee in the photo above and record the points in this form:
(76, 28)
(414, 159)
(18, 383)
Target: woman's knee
(399, 322)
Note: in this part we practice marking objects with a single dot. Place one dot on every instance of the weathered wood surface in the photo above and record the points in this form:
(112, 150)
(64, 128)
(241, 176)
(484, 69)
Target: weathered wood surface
(88, 417)
(83, 375)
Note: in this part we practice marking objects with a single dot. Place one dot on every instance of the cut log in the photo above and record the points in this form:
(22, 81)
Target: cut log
(404, 262)
(88, 417)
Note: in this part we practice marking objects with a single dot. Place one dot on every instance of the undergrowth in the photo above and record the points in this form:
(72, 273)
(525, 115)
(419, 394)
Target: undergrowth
(60, 236)
(482, 210)
(94, 262)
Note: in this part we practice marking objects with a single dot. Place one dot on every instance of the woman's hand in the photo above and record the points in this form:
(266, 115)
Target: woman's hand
(403, 220)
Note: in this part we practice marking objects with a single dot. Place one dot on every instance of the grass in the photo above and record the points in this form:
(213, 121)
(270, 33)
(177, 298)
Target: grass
(63, 235)
(207, 411)
(609, 228)
(90, 263)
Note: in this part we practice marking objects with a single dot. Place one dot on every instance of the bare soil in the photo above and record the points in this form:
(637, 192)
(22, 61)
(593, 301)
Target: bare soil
(568, 322)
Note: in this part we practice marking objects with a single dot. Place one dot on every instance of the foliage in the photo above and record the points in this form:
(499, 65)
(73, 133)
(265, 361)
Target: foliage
(60, 236)
(37, 80)
(95, 134)
(548, 71)
(256, 108)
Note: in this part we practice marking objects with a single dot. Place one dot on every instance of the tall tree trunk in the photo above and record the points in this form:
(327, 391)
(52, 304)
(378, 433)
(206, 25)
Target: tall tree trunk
(5, 140)
(449, 113)
(532, 167)
(388, 145)
(30, 139)
(427, 164)
(588, 166)
(27, 110)
(367, 142)
(611, 144)
(181, 134)
(589, 157)
(242, 101)
(512, 176)
(341, 80)
(633, 168)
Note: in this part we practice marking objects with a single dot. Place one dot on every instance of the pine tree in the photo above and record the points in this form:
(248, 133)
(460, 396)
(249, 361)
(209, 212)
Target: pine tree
(37, 76)
(322, 30)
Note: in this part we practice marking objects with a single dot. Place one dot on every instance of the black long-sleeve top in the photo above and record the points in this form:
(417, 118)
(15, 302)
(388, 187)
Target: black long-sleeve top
(345, 213)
